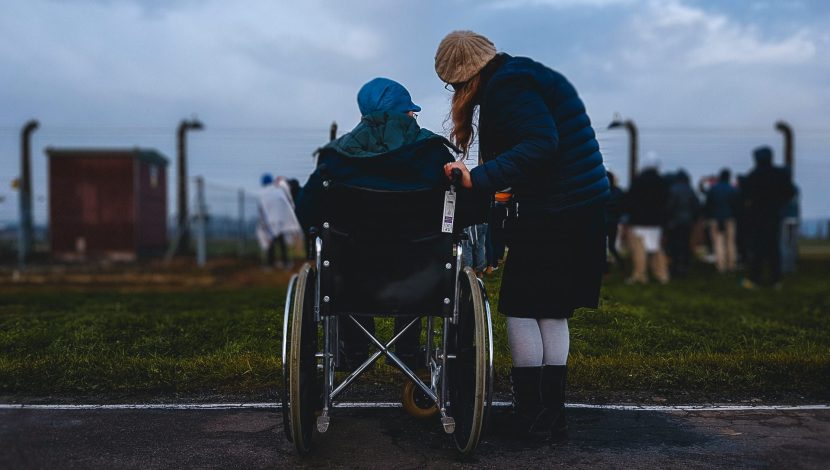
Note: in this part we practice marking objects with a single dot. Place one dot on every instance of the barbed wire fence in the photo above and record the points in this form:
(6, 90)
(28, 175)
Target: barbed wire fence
(228, 157)
(225, 224)
(222, 224)
(232, 215)
(9, 234)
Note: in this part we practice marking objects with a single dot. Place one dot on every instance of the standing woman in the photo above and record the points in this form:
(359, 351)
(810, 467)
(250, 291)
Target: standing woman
(535, 138)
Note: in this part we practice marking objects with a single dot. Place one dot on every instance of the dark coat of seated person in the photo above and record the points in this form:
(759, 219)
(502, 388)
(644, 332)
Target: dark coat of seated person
(387, 151)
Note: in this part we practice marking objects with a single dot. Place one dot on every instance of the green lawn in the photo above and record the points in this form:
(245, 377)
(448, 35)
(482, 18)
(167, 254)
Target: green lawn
(696, 340)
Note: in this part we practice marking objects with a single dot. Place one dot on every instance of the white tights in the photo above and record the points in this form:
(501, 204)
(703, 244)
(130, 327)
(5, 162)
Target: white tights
(534, 343)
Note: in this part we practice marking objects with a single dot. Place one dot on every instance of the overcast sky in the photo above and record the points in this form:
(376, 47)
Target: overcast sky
(704, 80)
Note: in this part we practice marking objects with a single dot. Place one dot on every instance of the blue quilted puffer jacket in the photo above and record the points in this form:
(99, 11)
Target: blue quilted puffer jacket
(536, 138)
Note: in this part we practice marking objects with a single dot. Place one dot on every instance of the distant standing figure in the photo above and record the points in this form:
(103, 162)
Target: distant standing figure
(645, 206)
(743, 231)
(683, 209)
(277, 222)
(474, 249)
(789, 233)
(295, 187)
(767, 191)
(721, 209)
(613, 217)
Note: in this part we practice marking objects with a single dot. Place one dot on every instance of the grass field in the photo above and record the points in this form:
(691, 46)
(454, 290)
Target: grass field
(699, 339)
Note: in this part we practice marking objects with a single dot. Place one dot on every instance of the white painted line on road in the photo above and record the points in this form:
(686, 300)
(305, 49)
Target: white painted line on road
(498, 404)
(700, 407)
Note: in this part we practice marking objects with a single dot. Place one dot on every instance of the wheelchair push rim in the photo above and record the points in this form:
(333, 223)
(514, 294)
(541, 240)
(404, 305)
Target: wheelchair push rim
(286, 340)
(468, 372)
(303, 383)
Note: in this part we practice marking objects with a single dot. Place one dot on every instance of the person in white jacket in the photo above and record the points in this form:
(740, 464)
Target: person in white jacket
(278, 224)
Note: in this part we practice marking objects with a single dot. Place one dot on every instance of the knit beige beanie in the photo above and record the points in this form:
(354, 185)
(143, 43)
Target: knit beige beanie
(461, 55)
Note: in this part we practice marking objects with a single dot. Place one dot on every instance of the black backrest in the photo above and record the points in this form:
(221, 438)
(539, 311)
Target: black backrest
(386, 253)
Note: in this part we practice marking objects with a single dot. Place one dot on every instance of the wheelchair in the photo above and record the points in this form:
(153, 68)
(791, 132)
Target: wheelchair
(384, 254)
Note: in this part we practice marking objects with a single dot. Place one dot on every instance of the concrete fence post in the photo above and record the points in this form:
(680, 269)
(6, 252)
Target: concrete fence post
(185, 125)
(26, 226)
(241, 227)
(201, 223)
(789, 153)
(333, 131)
(633, 143)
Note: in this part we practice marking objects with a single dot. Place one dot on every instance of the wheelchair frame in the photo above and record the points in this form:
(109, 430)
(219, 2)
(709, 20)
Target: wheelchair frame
(463, 409)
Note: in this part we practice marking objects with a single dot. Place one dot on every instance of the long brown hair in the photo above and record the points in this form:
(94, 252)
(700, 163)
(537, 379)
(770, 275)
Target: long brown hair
(463, 113)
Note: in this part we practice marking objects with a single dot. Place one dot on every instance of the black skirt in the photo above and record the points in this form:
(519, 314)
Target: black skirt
(554, 265)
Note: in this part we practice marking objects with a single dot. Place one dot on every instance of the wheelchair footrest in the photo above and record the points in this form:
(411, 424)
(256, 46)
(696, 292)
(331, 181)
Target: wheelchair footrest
(323, 423)
(449, 424)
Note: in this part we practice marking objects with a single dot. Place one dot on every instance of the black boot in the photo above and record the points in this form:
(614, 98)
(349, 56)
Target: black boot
(526, 400)
(552, 418)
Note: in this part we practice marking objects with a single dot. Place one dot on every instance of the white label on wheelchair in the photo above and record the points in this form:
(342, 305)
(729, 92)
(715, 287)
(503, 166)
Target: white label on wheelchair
(449, 211)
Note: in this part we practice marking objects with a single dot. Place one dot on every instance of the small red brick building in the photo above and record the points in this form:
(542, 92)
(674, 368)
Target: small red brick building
(107, 203)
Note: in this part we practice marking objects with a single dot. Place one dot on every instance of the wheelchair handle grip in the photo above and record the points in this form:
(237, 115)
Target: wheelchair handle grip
(455, 176)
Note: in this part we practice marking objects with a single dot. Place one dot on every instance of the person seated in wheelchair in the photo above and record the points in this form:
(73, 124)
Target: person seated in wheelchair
(387, 150)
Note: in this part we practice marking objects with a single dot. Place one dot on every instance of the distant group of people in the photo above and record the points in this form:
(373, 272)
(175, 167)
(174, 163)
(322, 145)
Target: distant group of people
(661, 215)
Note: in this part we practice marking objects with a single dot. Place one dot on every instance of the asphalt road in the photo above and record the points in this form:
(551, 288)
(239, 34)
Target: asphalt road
(386, 438)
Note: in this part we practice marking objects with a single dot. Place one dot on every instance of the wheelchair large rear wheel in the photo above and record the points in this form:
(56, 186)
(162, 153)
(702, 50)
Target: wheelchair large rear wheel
(286, 341)
(467, 373)
(304, 382)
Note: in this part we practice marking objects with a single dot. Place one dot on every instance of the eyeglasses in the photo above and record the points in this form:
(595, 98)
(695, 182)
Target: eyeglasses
(414, 115)
(454, 86)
